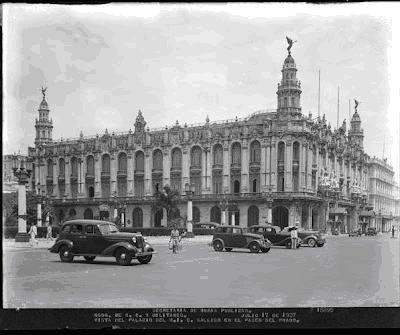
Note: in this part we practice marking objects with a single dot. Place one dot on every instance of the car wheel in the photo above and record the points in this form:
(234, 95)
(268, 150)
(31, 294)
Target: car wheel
(254, 247)
(265, 250)
(288, 244)
(311, 243)
(320, 245)
(89, 258)
(228, 249)
(65, 254)
(145, 259)
(218, 246)
(123, 256)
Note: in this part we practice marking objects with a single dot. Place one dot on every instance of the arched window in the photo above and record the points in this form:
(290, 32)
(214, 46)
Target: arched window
(90, 165)
(285, 102)
(255, 152)
(236, 153)
(72, 213)
(196, 214)
(137, 217)
(122, 162)
(296, 151)
(177, 158)
(254, 185)
(91, 191)
(195, 156)
(218, 154)
(61, 166)
(50, 168)
(292, 101)
(139, 161)
(74, 167)
(157, 160)
(215, 214)
(236, 186)
(281, 151)
(88, 214)
(105, 163)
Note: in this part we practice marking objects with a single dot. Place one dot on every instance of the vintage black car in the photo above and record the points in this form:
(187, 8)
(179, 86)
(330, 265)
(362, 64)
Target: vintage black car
(229, 237)
(312, 238)
(371, 231)
(273, 234)
(91, 238)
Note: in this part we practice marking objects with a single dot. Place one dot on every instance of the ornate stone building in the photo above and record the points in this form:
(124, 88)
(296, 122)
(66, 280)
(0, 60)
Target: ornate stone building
(277, 165)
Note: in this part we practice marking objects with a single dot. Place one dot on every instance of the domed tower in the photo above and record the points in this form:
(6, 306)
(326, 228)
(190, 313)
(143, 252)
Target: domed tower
(44, 126)
(289, 88)
(356, 133)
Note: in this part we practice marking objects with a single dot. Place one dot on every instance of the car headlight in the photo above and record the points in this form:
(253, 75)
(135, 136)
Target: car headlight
(134, 239)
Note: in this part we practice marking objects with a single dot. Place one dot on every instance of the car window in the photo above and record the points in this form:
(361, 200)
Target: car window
(107, 228)
(76, 229)
(260, 230)
(66, 229)
(268, 230)
(236, 231)
(89, 229)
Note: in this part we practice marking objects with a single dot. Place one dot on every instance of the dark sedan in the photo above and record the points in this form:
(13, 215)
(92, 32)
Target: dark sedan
(312, 238)
(273, 234)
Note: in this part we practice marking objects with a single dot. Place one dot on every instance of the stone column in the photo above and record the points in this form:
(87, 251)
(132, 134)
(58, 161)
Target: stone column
(273, 167)
(223, 217)
(226, 169)
(56, 191)
(288, 167)
(204, 168)
(67, 177)
(264, 168)
(113, 174)
(185, 168)
(81, 177)
(309, 169)
(189, 223)
(39, 214)
(303, 167)
(22, 210)
(37, 175)
(130, 168)
(97, 176)
(166, 167)
(309, 225)
(209, 171)
(148, 166)
(244, 180)
(233, 219)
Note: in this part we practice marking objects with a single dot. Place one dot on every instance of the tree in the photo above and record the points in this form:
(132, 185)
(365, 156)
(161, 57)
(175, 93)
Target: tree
(168, 199)
(10, 208)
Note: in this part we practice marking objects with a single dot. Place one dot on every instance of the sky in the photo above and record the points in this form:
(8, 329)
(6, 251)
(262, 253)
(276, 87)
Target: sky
(101, 64)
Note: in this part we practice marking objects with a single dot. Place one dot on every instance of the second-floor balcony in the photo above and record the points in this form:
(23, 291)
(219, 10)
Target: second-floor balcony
(217, 167)
(139, 173)
(195, 168)
(61, 178)
(105, 175)
(254, 165)
(49, 179)
(236, 166)
(89, 176)
(176, 169)
(295, 165)
(122, 174)
(73, 178)
(157, 171)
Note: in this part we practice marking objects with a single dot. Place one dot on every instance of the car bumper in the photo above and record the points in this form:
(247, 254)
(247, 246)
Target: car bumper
(145, 253)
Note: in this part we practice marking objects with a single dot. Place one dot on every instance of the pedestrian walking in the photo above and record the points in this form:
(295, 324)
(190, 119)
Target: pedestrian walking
(293, 236)
(392, 231)
(49, 235)
(174, 239)
(33, 234)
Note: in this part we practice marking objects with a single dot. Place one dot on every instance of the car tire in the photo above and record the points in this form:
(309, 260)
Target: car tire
(144, 259)
(288, 245)
(320, 245)
(65, 254)
(311, 243)
(123, 256)
(228, 249)
(254, 247)
(265, 250)
(218, 246)
(89, 258)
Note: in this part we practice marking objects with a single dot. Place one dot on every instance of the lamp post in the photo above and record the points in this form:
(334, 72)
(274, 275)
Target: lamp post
(270, 200)
(189, 189)
(22, 171)
(224, 205)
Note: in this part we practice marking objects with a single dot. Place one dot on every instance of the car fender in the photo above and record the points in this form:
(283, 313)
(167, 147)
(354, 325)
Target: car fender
(305, 239)
(253, 241)
(56, 247)
(219, 239)
(109, 251)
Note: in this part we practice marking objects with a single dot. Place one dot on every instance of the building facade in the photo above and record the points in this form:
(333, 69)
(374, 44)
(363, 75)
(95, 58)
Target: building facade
(382, 193)
(274, 165)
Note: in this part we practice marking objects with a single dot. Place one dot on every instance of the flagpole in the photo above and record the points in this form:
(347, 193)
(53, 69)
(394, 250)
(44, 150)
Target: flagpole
(319, 92)
(337, 117)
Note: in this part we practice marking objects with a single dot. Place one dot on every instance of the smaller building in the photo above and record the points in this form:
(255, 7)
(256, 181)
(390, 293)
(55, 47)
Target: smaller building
(381, 193)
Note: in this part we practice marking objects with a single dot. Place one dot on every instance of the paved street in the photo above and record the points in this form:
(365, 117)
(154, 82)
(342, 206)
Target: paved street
(347, 271)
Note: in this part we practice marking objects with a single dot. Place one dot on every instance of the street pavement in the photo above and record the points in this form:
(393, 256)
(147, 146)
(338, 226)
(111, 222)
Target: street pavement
(346, 272)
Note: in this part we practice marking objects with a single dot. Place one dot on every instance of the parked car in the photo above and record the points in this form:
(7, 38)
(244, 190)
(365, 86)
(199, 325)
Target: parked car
(210, 225)
(312, 238)
(355, 232)
(371, 231)
(91, 238)
(229, 237)
(273, 234)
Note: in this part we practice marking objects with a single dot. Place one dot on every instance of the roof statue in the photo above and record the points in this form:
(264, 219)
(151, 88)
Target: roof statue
(356, 104)
(44, 92)
(290, 42)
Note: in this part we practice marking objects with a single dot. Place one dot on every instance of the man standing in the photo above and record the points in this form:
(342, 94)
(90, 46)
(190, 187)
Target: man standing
(392, 231)
(293, 236)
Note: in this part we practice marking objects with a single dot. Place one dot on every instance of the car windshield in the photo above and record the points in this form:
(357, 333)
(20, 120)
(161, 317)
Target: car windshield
(107, 228)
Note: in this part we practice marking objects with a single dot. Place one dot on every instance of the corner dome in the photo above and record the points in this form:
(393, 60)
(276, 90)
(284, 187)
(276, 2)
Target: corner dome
(289, 62)
(355, 117)
(43, 104)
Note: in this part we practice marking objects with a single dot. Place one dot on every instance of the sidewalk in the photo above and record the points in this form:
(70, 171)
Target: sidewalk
(154, 240)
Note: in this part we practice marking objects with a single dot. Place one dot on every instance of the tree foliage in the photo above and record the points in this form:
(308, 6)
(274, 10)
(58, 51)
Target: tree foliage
(168, 199)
